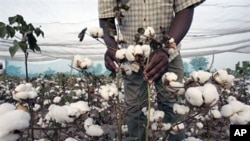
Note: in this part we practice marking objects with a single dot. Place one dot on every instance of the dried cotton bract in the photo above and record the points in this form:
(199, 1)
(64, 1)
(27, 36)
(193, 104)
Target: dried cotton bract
(96, 32)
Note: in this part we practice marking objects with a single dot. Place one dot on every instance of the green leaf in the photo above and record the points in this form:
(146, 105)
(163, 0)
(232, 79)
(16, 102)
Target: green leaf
(14, 48)
(23, 46)
(11, 31)
(12, 20)
(32, 41)
(125, 7)
(31, 27)
(81, 35)
(39, 32)
(3, 30)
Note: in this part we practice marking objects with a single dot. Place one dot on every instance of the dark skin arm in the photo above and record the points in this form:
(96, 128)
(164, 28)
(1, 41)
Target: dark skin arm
(110, 60)
(158, 63)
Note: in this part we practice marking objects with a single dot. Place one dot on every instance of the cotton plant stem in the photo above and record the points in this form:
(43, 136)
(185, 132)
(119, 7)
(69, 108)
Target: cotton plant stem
(149, 107)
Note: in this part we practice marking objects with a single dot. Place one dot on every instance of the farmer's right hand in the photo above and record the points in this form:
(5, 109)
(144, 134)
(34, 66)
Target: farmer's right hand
(111, 62)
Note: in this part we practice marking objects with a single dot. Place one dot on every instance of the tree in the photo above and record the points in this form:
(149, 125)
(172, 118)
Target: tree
(199, 63)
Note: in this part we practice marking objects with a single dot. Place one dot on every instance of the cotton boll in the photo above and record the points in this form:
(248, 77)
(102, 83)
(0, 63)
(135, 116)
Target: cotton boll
(149, 32)
(146, 50)
(199, 125)
(177, 128)
(126, 68)
(194, 96)
(210, 94)
(215, 114)
(154, 126)
(166, 126)
(81, 105)
(70, 139)
(88, 122)
(96, 32)
(201, 76)
(120, 54)
(81, 62)
(10, 137)
(135, 67)
(130, 52)
(94, 130)
(13, 120)
(180, 109)
(124, 128)
(36, 107)
(231, 98)
(24, 91)
(158, 115)
(59, 114)
(192, 139)
(227, 110)
(138, 50)
(237, 106)
(5, 107)
(57, 99)
(86, 63)
(168, 77)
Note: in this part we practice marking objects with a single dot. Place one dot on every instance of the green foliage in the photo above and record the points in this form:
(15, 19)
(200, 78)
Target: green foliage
(199, 63)
(244, 70)
(17, 24)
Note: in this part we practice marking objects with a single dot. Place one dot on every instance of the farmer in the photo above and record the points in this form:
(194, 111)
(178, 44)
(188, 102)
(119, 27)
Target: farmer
(176, 18)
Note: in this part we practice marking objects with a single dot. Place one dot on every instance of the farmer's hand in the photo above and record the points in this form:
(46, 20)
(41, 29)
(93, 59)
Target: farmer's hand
(111, 61)
(157, 66)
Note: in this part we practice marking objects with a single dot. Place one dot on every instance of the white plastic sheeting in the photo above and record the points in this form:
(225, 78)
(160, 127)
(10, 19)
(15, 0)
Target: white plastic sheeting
(218, 26)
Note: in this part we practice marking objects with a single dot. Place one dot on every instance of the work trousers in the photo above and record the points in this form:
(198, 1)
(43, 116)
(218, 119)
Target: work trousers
(136, 96)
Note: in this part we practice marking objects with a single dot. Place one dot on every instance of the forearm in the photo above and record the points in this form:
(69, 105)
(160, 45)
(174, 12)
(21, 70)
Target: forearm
(108, 25)
(181, 24)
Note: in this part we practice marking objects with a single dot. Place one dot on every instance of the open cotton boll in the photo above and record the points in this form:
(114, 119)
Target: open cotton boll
(107, 91)
(94, 130)
(231, 98)
(70, 139)
(59, 114)
(199, 125)
(96, 32)
(81, 62)
(192, 139)
(215, 114)
(146, 50)
(10, 137)
(135, 67)
(120, 54)
(242, 118)
(6, 107)
(24, 91)
(227, 110)
(13, 120)
(210, 94)
(126, 68)
(201, 76)
(88, 122)
(149, 32)
(57, 99)
(168, 77)
(157, 115)
(177, 128)
(180, 109)
(81, 105)
(194, 96)
(138, 50)
(130, 52)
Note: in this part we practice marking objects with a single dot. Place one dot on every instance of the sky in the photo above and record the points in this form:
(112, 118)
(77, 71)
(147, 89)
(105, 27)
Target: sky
(218, 26)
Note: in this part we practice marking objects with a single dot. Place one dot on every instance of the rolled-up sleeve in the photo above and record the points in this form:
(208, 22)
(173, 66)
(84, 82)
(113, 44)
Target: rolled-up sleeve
(182, 4)
(105, 8)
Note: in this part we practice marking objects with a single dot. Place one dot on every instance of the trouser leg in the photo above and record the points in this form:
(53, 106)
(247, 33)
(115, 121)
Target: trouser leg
(165, 101)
